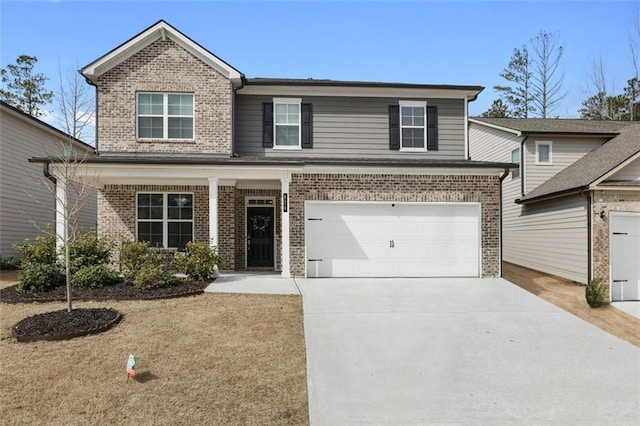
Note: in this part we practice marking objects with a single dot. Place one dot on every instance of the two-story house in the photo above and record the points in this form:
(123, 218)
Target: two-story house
(572, 208)
(308, 177)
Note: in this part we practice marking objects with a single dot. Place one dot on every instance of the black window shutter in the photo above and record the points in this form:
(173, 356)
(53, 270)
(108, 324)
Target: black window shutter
(307, 125)
(267, 124)
(432, 128)
(394, 127)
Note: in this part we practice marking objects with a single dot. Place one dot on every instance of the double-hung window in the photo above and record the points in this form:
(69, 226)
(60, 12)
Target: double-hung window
(515, 158)
(165, 219)
(413, 129)
(165, 115)
(287, 134)
(543, 153)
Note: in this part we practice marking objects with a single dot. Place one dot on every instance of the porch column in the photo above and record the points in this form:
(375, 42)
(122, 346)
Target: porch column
(284, 214)
(61, 217)
(213, 211)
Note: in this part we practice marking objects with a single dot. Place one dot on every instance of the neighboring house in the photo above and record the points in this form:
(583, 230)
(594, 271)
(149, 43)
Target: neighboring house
(572, 208)
(309, 177)
(27, 201)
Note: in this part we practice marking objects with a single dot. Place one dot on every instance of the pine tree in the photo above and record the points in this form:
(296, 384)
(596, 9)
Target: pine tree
(24, 89)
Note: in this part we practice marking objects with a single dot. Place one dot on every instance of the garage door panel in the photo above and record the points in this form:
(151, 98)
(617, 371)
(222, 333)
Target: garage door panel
(625, 254)
(383, 240)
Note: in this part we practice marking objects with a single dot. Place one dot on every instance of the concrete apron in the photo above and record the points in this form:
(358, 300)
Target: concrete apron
(459, 351)
(632, 308)
(252, 282)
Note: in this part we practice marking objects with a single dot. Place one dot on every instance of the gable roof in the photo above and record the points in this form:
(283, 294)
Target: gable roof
(594, 166)
(524, 126)
(159, 30)
(5, 107)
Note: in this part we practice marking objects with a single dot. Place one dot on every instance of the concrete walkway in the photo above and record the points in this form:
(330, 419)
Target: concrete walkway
(253, 282)
(459, 351)
(632, 308)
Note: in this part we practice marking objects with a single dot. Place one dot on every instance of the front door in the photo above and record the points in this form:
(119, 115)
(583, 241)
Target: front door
(260, 221)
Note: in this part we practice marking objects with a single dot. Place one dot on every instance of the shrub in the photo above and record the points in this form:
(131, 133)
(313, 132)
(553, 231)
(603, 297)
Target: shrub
(153, 276)
(199, 262)
(95, 276)
(594, 293)
(43, 251)
(89, 250)
(8, 264)
(37, 277)
(136, 255)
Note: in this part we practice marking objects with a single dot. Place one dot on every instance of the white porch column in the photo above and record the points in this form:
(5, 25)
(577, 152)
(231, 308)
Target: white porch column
(61, 218)
(284, 214)
(213, 211)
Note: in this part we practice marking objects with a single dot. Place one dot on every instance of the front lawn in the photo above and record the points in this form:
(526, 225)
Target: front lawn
(206, 359)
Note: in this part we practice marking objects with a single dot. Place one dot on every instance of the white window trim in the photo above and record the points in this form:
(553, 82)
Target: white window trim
(165, 215)
(165, 116)
(546, 163)
(519, 163)
(422, 104)
(287, 101)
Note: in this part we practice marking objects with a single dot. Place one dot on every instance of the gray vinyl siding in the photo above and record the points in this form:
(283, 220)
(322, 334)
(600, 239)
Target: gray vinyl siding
(630, 172)
(487, 144)
(25, 201)
(564, 152)
(548, 236)
(349, 128)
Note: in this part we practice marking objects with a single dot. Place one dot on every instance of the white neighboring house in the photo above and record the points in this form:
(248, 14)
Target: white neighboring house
(26, 204)
(572, 208)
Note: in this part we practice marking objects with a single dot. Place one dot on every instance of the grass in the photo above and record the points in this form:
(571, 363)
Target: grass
(209, 359)
(571, 297)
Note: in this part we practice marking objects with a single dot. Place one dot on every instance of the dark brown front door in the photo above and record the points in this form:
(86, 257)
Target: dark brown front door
(260, 222)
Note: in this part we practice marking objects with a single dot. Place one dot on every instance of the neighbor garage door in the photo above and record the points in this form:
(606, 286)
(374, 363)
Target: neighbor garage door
(365, 239)
(625, 256)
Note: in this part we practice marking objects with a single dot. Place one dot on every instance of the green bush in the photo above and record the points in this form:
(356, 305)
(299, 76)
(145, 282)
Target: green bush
(154, 276)
(95, 276)
(594, 293)
(199, 262)
(135, 256)
(89, 250)
(37, 277)
(9, 264)
(43, 251)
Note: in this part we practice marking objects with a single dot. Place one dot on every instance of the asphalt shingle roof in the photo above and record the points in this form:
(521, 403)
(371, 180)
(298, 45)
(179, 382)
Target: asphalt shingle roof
(594, 165)
(560, 125)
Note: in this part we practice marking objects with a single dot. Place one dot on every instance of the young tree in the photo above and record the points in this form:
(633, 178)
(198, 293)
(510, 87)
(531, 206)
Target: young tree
(547, 77)
(498, 109)
(24, 89)
(76, 105)
(519, 95)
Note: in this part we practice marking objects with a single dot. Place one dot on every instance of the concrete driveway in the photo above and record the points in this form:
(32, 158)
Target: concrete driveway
(459, 351)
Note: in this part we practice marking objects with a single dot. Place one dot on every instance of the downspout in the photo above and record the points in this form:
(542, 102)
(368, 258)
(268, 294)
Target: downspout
(523, 157)
(502, 178)
(47, 174)
(589, 232)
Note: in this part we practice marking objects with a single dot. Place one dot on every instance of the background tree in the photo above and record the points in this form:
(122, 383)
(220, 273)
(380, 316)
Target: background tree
(547, 76)
(22, 88)
(518, 96)
(498, 109)
(76, 105)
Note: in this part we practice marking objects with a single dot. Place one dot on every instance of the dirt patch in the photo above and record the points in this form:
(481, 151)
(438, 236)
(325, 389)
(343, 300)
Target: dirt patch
(570, 297)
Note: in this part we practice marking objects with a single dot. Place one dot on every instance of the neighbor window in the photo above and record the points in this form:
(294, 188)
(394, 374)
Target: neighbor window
(165, 219)
(287, 123)
(165, 116)
(413, 126)
(543, 152)
(515, 158)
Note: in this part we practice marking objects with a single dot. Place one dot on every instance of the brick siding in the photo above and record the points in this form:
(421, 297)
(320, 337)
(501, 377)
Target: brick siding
(398, 188)
(163, 66)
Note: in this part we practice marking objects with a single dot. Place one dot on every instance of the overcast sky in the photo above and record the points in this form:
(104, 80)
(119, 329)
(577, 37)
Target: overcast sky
(432, 42)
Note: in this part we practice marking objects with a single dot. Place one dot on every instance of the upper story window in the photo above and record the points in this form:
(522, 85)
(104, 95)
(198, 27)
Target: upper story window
(413, 129)
(165, 115)
(544, 152)
(515, 158)
(287, 127)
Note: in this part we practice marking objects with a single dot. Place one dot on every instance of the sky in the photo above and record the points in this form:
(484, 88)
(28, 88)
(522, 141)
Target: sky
(429, 42)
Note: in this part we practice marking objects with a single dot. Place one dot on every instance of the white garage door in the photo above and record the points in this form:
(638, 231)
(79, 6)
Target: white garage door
(625, 256)
(392, 239)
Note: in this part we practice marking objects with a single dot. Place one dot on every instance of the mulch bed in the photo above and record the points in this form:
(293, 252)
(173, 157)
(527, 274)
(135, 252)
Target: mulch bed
(63, 325)
(120, 291)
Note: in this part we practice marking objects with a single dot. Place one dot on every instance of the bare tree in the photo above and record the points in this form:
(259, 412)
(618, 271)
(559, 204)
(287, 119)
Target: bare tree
(601, 103)
(633, 91)
(76, 105)
(548, 76)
